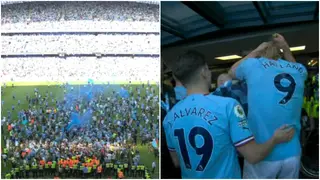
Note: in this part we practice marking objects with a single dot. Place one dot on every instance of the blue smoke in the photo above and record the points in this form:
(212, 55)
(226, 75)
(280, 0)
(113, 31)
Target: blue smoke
(75, 121)
(78, 120)
(124, 93)
(70, 100)
(87, 93)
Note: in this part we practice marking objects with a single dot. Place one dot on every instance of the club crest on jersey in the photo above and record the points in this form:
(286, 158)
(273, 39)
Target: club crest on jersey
(238, 110)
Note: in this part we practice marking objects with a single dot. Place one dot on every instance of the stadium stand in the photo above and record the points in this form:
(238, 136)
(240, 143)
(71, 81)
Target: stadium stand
(105, 69)
(111, 43)
(84, 16)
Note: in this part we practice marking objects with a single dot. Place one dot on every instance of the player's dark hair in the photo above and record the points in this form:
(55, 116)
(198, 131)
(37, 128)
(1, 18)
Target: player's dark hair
(187, 65)
(173, 82)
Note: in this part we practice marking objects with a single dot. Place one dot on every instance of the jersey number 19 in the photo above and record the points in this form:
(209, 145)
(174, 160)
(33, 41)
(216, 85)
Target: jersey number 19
(205, 150)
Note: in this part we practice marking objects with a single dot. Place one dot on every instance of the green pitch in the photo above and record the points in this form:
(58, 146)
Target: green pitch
(22, 89)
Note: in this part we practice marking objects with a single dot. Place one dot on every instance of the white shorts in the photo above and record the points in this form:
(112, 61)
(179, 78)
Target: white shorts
(284, 169)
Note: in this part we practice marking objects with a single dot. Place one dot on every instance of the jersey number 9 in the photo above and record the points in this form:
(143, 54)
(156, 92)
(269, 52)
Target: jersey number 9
(287, 89)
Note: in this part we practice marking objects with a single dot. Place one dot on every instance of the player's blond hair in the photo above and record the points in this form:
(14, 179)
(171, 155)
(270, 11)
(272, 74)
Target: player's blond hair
(272, 52)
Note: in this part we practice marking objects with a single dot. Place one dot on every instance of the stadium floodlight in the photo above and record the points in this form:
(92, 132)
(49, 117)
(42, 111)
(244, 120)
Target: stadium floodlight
(297, 48)
(229, 57)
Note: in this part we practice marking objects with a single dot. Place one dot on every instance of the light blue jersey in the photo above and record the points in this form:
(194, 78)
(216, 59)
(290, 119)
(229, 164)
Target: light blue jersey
(181, 92)
(203, 130)
(275, 97)
(237, 91)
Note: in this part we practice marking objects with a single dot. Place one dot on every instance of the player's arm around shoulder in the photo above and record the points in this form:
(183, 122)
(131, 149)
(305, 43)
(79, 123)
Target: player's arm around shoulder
(243, 139)
(254, 152)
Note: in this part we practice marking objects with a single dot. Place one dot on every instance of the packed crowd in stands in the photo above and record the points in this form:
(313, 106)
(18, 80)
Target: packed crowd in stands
(110, 44)
(80, 16)
(105, 69)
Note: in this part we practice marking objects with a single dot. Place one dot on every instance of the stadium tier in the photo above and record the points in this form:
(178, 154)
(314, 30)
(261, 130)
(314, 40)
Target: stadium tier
(115, 70)
(110, 43)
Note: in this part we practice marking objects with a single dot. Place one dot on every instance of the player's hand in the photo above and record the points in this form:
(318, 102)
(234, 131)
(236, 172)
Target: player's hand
(263, 46)
(283, 134)
(279, 41)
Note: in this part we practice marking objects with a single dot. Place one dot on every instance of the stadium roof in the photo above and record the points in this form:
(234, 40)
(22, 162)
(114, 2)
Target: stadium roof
(223, 28)
(184, 20)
